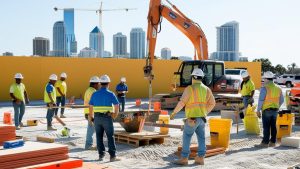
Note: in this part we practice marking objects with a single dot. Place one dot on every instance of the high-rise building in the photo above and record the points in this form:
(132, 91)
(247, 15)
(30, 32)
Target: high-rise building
(71, 43)
(59, 39)
(97, 41)
(137, 43)
(7, 54)
(120, 45)
(41, 46)
(88, 53)
(165, 53)
(227, 42)
(107, 54)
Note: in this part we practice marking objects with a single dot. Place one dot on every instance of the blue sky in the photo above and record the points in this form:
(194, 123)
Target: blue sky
(268, 28)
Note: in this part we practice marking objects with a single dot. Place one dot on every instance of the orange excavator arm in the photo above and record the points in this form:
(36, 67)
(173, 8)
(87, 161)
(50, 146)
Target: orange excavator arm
(189, 28)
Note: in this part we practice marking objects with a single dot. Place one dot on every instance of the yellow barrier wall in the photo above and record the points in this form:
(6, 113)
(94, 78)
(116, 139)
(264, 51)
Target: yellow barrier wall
(254, 70)
(36, 72)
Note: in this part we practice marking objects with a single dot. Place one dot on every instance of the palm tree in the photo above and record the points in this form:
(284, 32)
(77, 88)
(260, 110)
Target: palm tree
(293, 66)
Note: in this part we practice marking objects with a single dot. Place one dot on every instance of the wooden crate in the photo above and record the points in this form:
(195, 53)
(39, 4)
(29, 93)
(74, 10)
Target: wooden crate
(140, 139)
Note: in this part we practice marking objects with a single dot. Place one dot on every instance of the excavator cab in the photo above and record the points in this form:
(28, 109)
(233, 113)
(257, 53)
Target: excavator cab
(213, 70)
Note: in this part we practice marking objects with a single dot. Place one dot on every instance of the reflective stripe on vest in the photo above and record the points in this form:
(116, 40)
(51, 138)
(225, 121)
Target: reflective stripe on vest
(196, 106)
(272, 97)
(102, 109)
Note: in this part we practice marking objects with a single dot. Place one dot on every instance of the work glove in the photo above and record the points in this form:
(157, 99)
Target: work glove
(258, 114)
(242, 115)
(27, 101)
(172, 116)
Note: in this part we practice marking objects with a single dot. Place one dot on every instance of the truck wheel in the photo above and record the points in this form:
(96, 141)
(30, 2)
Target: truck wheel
(288, 84)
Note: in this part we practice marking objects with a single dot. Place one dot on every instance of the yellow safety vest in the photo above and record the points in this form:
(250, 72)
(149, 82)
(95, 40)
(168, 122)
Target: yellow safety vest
(87, 97)
(53, 95)
(273, 96)
(103, 109)
(248, 87)
(196, 106)
(62, 85)
(18, 90)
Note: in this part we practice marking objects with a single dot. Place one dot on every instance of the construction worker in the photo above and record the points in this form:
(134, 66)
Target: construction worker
(247, 91)
(19, 98)
(198, 101)
(104, 107)
(122, 89)
(94, 85)
(270, 100)
(50, 100)
(61, 91)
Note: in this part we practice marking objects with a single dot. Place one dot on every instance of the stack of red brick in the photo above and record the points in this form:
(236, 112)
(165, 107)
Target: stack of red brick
(7, 133)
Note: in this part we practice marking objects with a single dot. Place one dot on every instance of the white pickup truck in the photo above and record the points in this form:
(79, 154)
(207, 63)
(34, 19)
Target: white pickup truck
(288, 79)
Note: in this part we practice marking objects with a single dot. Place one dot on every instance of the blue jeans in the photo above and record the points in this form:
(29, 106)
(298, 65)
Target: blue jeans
(19, 109)
(246, 101)
(188, 132)
(122, 101)
(60, 101)
(89, 135)
(269, 118)
(50, 114)
(104, 123)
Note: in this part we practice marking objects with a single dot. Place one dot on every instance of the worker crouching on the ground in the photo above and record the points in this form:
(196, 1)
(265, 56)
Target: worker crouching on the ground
(61, 91)
(122, 89)
(104, 107)
(270, 100)
(50, 100)
(19, 98)
(198, 101)
(94, 85)
(247, 91)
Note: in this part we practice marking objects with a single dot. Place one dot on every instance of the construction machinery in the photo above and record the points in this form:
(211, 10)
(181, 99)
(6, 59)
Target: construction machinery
(293, 101)
(214, 78)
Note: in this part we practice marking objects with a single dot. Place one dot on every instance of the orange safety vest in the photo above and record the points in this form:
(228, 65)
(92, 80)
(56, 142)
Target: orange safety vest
(273, 96)
(197, 103)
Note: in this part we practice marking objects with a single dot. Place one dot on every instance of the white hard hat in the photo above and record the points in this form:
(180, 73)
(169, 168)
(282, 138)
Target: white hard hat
(64, 75)
(53, 77)
(268, 75)
(18, 76)
(123, 79)
(94, 79)
(245, 74)
(104, 79)
(198, 72)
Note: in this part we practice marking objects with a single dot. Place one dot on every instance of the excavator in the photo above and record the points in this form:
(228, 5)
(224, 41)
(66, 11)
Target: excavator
(214, 78)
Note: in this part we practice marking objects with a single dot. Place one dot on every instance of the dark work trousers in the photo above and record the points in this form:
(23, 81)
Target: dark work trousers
(269, 126)
(60, 101)
(104, 123)
(122, 101)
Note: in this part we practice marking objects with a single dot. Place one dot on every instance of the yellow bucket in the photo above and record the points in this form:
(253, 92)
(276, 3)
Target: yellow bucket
(284, 125)
(220, 132)
(164, 118)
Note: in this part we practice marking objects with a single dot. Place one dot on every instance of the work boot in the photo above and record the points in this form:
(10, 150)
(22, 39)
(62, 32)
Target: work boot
(18, 128)
(199, 160)
(113, 159)
(182, 161)
(272, 144)
(21, 124)
(261, 145)
(63, 116)
(50, 128)
(101, 157)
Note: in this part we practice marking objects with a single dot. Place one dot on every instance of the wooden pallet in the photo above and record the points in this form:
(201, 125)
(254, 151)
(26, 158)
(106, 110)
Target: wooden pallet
(296, 166)
(140, 139)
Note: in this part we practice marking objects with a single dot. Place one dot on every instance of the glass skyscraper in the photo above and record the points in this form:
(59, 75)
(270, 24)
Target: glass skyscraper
(137, 43)
(165, 53)
(40, 46)
(71, 43)
(120, 45)
(97, 41)
(59, 39)
(227, 42)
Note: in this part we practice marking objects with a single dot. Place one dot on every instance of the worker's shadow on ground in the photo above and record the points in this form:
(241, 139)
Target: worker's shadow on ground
(172, 158)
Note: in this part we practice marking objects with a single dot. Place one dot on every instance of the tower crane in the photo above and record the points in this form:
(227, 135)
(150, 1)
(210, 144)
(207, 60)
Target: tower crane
(99, 11)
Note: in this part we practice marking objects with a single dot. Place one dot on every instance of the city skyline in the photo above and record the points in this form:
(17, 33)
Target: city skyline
(259, 30)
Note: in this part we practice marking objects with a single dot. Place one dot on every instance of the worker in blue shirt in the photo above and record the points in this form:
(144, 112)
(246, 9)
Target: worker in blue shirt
(270, 100)
(104, 107)
(121, 90)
